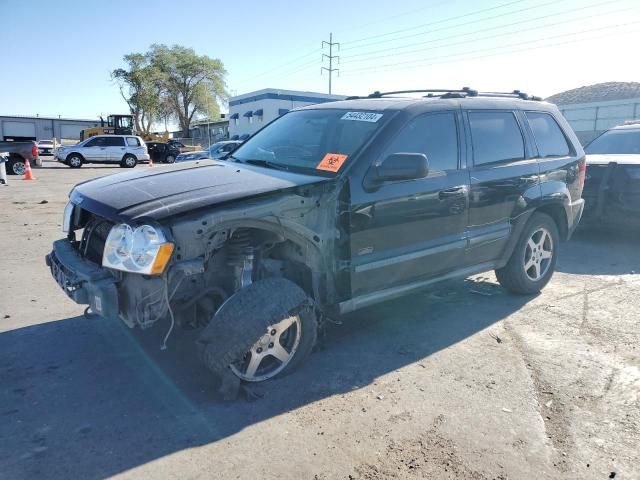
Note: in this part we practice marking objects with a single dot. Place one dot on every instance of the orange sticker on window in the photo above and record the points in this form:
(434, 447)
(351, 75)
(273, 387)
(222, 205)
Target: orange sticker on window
(332, 162)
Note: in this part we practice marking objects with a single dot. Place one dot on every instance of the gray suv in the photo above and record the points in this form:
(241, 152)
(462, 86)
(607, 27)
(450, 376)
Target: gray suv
(125, 150)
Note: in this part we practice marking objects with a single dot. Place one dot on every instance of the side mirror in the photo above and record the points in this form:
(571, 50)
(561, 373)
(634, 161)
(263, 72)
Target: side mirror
(403, 166)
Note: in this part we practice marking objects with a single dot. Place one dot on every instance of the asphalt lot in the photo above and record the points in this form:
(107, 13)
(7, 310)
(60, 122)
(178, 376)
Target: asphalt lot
(462, 381)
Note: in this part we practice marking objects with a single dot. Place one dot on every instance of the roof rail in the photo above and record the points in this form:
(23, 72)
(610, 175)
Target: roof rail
(452, 93)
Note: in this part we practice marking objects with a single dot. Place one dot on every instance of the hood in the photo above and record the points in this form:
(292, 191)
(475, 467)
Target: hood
(622, 159)
(159, 194)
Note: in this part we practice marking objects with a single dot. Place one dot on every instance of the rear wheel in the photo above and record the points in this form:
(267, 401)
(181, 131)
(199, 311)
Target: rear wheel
(533, 260)
(74, 161)
(16, 166)
(169, 159)
(128, 161)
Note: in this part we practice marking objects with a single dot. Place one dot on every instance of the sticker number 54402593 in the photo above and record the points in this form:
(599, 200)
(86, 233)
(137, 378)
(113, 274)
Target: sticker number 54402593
(362, 116)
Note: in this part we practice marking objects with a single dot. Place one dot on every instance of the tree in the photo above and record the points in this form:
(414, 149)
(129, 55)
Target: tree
(191, 84)
(140, 86)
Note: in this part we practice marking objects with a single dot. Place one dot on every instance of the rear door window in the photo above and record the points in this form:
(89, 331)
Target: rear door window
(549, 138)
(496, 137)
(113, 142)
(435, 135)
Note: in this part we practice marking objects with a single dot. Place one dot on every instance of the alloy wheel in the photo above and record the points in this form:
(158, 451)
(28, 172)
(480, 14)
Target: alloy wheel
(538, 254)
(271, 353)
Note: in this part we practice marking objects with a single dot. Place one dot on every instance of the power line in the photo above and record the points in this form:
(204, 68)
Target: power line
(278, 67)
(455, 17)
(331, 56)
(412, 64)
(374, 55)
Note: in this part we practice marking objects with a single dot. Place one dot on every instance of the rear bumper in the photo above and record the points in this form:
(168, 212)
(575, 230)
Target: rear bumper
(574, 215)
(84, 282)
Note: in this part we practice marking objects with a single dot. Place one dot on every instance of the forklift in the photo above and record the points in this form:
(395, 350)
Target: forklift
(115, 125)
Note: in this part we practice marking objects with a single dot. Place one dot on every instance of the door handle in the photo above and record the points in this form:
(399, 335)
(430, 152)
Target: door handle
(451, 193)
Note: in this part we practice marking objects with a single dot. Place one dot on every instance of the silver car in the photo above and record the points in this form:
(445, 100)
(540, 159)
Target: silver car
(124, 150)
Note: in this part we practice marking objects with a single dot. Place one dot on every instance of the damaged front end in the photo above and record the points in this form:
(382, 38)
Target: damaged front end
(215, 253)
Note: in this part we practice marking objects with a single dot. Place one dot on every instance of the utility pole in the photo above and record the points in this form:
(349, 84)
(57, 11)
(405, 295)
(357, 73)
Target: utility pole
(331, 56)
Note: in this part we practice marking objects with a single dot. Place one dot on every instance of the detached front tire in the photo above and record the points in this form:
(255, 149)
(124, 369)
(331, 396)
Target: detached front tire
(533, 260)
(264, 330)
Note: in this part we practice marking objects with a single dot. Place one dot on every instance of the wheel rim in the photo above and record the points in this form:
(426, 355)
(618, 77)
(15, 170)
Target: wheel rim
(74, 161)
(171, 159)
(271, 353)
(538, 254)
(129, 162)
(19, 168)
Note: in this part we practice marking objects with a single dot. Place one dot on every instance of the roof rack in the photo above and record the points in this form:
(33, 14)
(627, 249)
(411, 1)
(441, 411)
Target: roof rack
(452, 93)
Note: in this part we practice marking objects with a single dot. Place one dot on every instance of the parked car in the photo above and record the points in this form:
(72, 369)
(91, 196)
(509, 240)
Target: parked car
(19, 153)
(612, 186)
(184, 148)
(162, 152)
(330, 208)
(189, 156)
(222, 149)
(45, 147)
(123, 150)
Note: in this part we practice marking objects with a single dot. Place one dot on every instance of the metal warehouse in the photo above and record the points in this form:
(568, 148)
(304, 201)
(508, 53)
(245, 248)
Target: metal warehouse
(249, 112)
(19, 128)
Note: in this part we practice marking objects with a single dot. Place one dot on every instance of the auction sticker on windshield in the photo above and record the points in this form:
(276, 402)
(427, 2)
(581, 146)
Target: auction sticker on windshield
(331, 162)
(362, 116)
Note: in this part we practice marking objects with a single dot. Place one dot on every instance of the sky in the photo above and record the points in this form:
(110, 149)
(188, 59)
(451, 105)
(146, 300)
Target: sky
(56, 55)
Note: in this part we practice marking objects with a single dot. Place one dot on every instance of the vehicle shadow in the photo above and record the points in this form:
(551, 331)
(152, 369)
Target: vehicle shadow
(600, 252)
(109, 399)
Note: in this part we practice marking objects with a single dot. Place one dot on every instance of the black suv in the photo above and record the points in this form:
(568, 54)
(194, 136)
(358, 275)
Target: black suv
(163, 152)
(328, 209)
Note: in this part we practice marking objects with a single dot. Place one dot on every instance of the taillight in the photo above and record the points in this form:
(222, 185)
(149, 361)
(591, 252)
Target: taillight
(582, 172)
(34, 150)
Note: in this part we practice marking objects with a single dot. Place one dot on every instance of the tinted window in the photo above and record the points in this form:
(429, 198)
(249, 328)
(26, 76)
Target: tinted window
(228, 147)
(133, 142)
(549, 138)
(616, 142)
(113, 141)
(435, 135)
(496, 137)
(94, 142)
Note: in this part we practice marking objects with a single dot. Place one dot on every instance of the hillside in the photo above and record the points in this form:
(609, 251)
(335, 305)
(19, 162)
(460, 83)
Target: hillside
(600, 92)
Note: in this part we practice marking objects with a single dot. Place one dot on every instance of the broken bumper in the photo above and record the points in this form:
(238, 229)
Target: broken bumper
(84, 282)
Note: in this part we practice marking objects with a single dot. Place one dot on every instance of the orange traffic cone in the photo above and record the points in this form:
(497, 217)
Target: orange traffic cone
(150, 162)
(28, 174)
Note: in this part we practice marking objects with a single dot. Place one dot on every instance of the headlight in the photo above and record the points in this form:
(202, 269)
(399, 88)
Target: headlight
(143, 250)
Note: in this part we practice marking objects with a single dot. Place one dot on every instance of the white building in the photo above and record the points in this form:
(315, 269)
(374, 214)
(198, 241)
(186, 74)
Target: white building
(249, 112)
(591, 119)
(23, 128)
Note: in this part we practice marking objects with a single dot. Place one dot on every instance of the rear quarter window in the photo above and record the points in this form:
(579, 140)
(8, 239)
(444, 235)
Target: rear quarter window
(496, 137)
(549, 138)
(133, 142)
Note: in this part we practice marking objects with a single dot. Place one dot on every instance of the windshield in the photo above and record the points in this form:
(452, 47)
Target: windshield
(616, 142)
(311, 140)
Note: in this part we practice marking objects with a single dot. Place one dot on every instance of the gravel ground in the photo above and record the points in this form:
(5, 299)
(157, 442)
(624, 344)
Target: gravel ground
(462, 381)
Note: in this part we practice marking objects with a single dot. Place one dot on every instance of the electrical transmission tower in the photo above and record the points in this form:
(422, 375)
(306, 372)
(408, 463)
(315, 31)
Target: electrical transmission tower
(331, 57)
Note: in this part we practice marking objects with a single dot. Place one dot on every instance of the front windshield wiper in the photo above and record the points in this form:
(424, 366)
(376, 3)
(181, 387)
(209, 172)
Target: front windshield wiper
(266, 163)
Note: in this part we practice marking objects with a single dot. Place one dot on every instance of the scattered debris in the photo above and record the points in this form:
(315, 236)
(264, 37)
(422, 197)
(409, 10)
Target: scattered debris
(480, 292)
(380, 397)
(612, 475)
(7, 316)
(507, 410)
(42, 202)
(548, 404)
(495, 337)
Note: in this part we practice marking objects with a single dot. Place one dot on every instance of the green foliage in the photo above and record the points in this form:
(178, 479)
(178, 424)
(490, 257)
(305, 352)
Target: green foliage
(171, 82)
